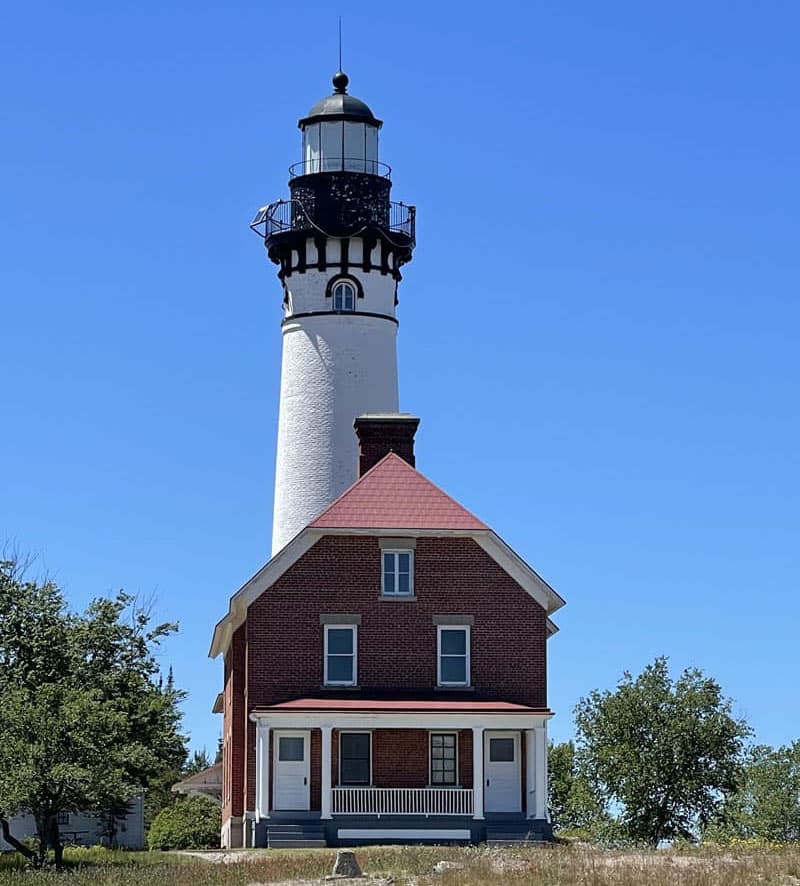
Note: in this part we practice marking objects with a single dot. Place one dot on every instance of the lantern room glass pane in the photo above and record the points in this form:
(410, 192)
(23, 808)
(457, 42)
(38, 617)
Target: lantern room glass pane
(371, 149)
(331, 145)
(354, 147)
(311, 148)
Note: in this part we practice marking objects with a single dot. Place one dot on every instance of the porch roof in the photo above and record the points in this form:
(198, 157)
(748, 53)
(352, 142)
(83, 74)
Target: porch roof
(396, 706)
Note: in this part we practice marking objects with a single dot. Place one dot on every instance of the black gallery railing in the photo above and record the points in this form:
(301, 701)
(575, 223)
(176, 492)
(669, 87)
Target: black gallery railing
(291, 215)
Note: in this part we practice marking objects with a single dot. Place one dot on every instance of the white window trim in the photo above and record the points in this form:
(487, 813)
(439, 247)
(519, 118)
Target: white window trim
(431, 783)
(410, 591)
(468, 675)
(354, 732)
(340, 627)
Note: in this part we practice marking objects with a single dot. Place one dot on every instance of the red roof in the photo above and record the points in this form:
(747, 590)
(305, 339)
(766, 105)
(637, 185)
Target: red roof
(393, 495)
(402, 707)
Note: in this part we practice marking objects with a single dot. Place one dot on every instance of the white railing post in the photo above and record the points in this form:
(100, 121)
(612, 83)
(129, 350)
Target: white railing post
(325, 798)
(477, 771)
(262, 770)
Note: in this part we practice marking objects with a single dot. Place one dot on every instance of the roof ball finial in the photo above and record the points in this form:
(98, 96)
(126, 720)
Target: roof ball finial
(340, 81)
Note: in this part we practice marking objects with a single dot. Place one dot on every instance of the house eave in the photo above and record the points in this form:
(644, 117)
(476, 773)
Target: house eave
(487, 539)
(260, 581)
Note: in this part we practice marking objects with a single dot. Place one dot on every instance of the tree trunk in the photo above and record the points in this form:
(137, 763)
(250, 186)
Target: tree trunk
(41, 832)
(13, 841)
(55, 842)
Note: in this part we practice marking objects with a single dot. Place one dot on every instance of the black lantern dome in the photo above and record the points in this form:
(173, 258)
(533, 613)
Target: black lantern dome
(340, 134)
(340, 106)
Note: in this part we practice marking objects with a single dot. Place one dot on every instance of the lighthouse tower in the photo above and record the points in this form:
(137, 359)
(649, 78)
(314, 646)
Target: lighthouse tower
(339, 243)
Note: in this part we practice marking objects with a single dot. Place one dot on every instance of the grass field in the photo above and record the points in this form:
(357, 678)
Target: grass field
(554, 866)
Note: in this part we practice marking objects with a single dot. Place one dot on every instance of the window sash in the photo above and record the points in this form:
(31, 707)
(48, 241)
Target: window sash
(355, 761)
(344, 297)
(452, 658)
(337, 658)
(398, 573)
(444, 759)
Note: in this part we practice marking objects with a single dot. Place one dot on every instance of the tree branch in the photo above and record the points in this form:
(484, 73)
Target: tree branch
(13, 841)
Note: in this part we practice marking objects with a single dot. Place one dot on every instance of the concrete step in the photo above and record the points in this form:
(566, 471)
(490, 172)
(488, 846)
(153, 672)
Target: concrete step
(305, 828)
(298, 835)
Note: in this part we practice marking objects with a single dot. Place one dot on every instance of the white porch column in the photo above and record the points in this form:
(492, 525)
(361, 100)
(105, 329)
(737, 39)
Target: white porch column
(477, 771)
(531, 796)
(262, 770)
(327, 736)
(541, 771)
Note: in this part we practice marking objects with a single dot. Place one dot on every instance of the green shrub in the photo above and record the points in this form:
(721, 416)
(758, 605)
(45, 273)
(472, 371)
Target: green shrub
(191, 823)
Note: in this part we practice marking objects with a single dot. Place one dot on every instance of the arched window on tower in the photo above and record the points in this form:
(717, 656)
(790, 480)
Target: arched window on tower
(344, 296)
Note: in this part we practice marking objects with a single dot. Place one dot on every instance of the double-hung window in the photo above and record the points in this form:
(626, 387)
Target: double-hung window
(444, 758)
(355, 758)
(453, 655)
(341, 655)
(398, 573)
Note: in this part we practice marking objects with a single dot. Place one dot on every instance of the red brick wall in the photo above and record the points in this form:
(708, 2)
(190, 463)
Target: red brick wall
(234, 717)
(465, 758)
(396, 639)
(400, 758)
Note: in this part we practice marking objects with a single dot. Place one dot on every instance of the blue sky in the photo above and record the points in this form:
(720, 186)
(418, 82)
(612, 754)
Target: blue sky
(599, 327)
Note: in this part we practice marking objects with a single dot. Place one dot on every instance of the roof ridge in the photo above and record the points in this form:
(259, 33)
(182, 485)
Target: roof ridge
(411, 471)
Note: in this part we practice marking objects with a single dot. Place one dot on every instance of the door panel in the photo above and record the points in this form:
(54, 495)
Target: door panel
(502, 772)
(292, 770)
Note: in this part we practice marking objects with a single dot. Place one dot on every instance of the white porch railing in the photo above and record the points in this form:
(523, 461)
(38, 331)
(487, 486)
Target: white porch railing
(401, 801)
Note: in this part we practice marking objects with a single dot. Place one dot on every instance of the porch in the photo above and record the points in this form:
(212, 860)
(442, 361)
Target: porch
(350, 772)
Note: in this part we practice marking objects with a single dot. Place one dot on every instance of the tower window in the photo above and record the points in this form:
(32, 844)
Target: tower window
(344, 296)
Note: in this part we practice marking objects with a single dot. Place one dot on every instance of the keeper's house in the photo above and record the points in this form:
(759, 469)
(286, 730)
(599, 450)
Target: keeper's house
(385, 673)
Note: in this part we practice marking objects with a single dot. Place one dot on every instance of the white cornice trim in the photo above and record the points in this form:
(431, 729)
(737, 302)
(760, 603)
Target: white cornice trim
(520, 571)
(389, 720)
(250, 590)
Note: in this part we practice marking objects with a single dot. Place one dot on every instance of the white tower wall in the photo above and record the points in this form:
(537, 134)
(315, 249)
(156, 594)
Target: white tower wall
(335, 367)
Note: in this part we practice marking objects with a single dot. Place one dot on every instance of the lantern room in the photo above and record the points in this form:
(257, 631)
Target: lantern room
(340, 134)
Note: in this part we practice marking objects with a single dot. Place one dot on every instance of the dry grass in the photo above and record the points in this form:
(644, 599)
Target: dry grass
(407, 865)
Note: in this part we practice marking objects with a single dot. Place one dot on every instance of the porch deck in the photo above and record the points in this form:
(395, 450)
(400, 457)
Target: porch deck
(300, 830)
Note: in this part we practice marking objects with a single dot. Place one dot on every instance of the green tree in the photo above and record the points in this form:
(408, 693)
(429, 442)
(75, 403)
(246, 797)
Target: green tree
(84, 722)
(767, 804)
(190, 823)
(197, 763)
(573, 801)
(666, 753)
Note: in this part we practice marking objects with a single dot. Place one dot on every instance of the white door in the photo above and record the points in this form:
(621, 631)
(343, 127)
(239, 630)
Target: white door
(291, 769)
(501, 772)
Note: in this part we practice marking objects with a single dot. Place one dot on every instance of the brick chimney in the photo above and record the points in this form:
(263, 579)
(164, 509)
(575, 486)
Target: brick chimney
(383, 433)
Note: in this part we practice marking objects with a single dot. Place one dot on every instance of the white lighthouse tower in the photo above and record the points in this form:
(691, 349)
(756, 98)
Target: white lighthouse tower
(339, 243)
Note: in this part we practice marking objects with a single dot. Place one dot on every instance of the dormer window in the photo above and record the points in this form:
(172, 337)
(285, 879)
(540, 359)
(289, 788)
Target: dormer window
(344, 296)
(398, 573)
